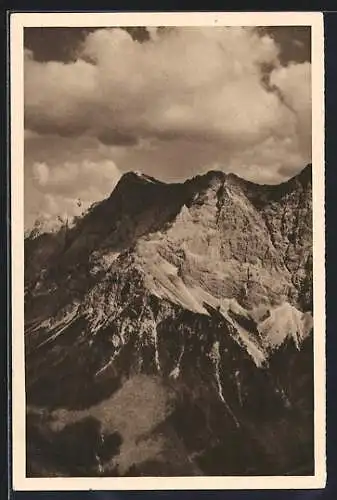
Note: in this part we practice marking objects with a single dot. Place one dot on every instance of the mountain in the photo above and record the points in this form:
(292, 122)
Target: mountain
(169, 332)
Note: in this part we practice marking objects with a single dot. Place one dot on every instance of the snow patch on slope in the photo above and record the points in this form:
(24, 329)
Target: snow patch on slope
(216, 360)
(246, 339)
(284, 322)
(145, 177)
(163, 280)
(56, 328)
(176, 370)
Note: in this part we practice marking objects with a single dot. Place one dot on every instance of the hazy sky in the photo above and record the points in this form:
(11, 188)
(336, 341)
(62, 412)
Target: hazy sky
(169, 102)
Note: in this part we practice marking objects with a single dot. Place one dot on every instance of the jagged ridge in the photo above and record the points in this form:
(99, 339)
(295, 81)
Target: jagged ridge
(197, 283)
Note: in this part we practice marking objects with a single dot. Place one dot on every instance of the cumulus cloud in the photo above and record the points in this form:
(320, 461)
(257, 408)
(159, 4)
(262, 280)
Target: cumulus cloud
(183, 101)
(264, 162)
(294, 82)
(198, 83)
(66, 190)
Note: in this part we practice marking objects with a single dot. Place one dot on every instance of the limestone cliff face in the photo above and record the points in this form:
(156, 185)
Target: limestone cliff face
(287, 210)
(203, 287)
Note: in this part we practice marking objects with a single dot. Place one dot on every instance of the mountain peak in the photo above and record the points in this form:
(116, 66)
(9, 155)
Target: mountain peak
(305, 176)
(137, 176)
(202, 290)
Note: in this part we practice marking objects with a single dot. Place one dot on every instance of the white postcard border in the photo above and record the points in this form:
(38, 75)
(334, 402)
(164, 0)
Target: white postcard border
(17, 22)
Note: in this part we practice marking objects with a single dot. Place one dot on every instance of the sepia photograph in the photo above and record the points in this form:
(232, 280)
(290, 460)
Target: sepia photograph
(171, 326)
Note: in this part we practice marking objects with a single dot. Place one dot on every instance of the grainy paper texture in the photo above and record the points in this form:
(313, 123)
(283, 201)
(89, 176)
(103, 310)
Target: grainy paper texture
(168, 251)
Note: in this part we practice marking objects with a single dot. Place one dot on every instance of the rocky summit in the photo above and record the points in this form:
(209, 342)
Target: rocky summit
(168, 332)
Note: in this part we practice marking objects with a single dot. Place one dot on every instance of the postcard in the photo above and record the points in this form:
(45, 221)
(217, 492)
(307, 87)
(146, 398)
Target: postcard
(168, 248)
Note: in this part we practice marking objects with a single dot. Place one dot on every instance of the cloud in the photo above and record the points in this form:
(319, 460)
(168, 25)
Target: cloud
(173, 106)
(68, 189)
(41, 172)
(265, 161)
(294, 82)
(199, 83)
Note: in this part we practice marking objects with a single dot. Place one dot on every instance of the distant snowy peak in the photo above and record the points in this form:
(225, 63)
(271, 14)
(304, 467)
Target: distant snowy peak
(207, 229)
(52, 224)
(45, 225)
(137, 183)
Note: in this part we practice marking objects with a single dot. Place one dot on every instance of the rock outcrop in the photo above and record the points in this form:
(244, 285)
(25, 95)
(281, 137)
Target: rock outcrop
(202, 289)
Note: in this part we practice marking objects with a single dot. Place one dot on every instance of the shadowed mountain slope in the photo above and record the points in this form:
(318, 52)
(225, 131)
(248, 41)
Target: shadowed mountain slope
(197, 297)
